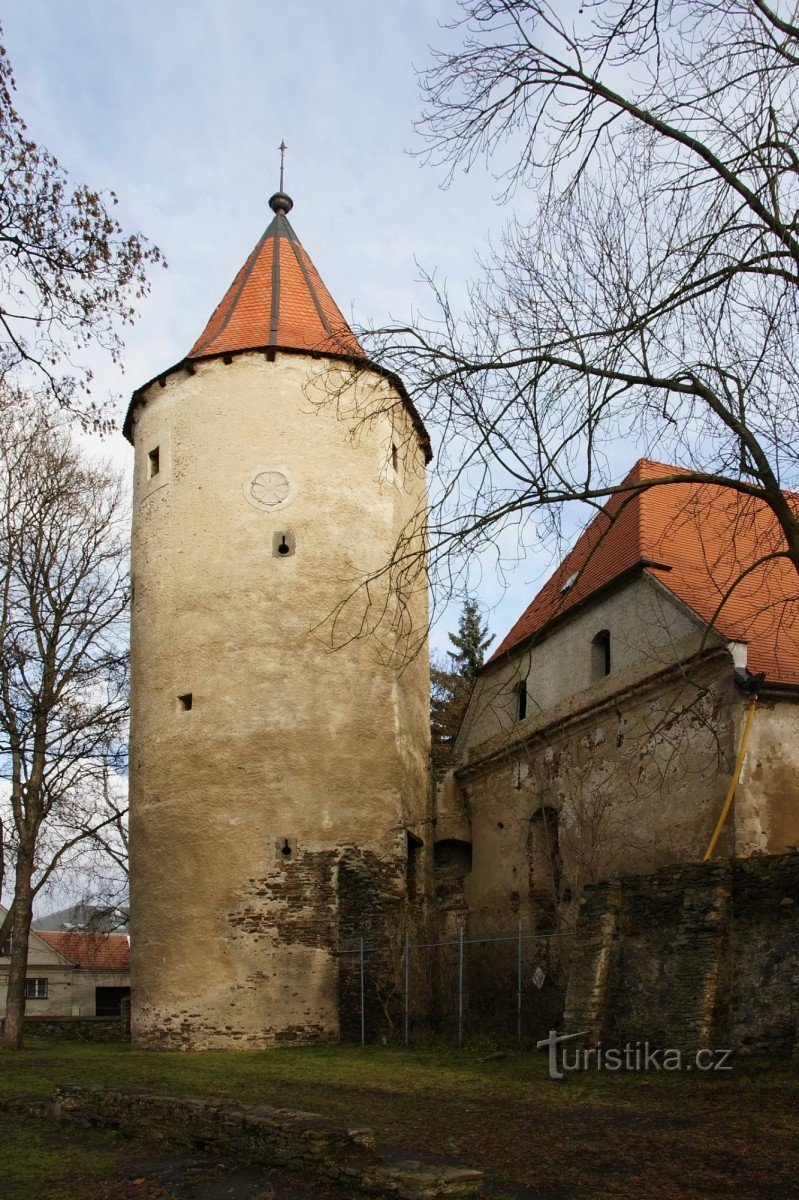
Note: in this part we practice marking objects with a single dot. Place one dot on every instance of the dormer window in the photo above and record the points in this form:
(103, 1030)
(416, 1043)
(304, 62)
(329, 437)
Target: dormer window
(600, 655)
(569, 583)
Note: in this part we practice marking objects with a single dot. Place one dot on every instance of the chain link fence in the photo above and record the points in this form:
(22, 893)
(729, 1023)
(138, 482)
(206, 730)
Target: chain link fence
(507, 989)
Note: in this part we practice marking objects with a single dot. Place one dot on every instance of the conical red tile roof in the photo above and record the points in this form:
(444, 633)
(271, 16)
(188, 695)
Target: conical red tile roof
(277, 299)
(702, 541)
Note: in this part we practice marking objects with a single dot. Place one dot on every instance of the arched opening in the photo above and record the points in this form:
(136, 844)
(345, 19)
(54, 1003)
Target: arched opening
(521, 700)
(600, 655)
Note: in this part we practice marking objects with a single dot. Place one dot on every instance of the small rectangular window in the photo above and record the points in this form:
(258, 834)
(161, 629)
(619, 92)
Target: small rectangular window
(185, 702)
(5, 949)
(394, 457)
(521, 701)
(414, 849)
(35, 989)
(153, 463)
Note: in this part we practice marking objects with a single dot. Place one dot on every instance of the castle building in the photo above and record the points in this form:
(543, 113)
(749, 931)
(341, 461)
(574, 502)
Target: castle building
(658, 663)
(279, 791)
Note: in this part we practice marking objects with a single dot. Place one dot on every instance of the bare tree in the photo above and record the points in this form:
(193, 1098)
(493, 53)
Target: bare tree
(652, 295)
(69, 274)
(63, 661)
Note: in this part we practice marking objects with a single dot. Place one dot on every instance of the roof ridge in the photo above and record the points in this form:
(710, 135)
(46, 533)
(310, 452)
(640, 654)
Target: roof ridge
(642, 511)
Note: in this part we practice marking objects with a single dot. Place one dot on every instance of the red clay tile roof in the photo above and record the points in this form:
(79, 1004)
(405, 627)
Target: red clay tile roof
(697, 539)
(277, 299)
(94, 951)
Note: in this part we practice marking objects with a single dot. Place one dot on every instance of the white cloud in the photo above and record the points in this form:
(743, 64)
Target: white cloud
(179, 107)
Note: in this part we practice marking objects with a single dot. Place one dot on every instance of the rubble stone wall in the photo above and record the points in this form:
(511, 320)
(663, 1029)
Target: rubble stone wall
(78, 1029)
(275, 1137)
(694, 955)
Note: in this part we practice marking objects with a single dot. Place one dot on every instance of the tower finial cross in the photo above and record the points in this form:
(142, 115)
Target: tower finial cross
(282, 148)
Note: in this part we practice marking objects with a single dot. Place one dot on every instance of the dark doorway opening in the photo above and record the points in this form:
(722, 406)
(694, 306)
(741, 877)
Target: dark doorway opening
(108, 1000)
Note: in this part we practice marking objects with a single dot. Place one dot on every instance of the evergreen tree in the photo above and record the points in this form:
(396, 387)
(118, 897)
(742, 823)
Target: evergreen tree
(470, 642)
(451, 683)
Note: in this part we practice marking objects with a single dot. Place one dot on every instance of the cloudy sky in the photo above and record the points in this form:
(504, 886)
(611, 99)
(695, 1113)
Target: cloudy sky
(179, 106)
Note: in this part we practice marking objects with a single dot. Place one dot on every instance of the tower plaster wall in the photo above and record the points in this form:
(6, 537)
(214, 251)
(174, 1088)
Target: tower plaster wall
(303, 759)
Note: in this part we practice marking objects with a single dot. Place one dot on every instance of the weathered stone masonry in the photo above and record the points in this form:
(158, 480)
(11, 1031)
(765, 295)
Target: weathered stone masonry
(262, 1135)
(695, 955)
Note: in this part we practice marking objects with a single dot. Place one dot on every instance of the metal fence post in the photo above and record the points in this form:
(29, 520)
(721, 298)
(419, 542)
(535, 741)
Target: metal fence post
(363, 1008)
(407, 982)
(519, 988)
(460, 989)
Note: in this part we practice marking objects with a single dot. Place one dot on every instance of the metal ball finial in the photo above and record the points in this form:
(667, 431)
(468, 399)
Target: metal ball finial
(281, 203)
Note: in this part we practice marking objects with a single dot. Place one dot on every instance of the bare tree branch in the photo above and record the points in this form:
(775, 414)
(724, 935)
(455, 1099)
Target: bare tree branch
(69, 274)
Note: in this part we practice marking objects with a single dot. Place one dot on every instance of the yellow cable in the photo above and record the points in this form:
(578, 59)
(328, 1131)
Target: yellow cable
(739, 762)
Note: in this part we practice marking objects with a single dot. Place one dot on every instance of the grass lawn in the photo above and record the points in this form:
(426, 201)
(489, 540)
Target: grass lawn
(40, 1160)
(673, 1136)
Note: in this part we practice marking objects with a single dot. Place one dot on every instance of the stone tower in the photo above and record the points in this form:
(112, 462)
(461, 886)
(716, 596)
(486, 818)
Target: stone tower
(279, 735)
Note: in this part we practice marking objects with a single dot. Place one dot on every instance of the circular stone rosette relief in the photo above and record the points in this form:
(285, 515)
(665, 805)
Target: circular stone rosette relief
(269, 488)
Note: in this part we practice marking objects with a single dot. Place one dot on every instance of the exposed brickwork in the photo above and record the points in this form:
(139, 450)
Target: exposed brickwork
(163, 1029)
(764, 953)
(700, 954)
(294, 901)
(189, 1028)
(321, 901)
(592, 952)
(370, 889)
